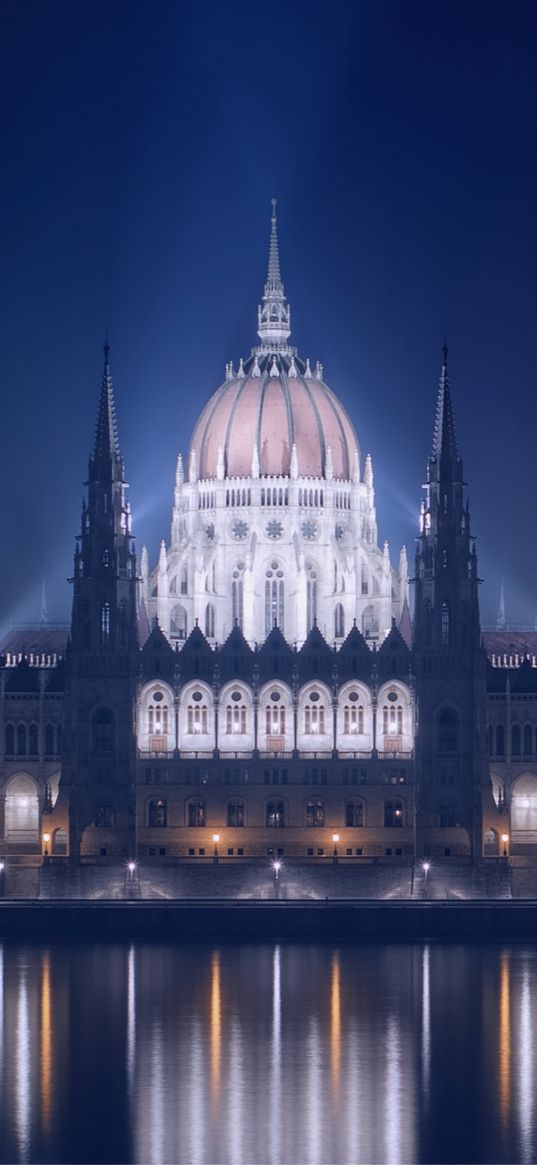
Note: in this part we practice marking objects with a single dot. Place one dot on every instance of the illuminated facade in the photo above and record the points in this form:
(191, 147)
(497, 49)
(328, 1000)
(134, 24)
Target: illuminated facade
(261, 690)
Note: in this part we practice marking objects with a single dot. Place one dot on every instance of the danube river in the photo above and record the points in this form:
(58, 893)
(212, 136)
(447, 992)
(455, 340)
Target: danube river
(268, 1054)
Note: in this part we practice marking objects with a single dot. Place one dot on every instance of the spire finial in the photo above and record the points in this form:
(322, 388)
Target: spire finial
(106, 349)
(274, 316)
(106, 440)
(444, 439)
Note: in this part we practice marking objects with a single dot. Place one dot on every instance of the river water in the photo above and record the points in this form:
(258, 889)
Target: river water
(267, 1054)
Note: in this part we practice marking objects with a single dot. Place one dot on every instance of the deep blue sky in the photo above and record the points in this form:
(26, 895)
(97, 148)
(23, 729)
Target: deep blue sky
(141, 144)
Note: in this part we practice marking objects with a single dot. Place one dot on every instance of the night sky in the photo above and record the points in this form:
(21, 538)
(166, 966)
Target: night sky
(141, 145)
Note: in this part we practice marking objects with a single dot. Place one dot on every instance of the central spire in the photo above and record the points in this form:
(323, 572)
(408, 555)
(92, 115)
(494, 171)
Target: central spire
(274, 314)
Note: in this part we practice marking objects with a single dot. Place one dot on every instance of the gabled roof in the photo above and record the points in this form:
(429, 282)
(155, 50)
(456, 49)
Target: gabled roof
(393, 655)
(354, 657)
(275, 657)
(235, 656)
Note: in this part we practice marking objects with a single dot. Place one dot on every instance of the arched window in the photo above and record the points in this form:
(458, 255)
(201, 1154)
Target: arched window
(491, 740)
(393, 814)
(448, 730)
(103, 731)
(339, 621)
(178, 623)
(275, 816)
(370, 623)
(158, 718)
(500, 740)
(515, 740)
(22, 810)
(59, 739)
(354, 814)
(528, 743)
(311, 596)
(237, 594)
(392, 717)
(197, 718)
(209, 621)
(22, 747)
(275, 715)
(49, 740)
(444, 625)
(236, 714)
(196, 813)
(105, 624)
(315, 813)
(33, 740)
(104, 816)
(184, 580)
(314, 714)
(353, 715)
(236, 815)
(10, 740)
(157, 814)
(274, 598)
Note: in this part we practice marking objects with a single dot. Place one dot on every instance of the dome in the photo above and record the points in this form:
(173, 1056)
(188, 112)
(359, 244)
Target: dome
(273, 403)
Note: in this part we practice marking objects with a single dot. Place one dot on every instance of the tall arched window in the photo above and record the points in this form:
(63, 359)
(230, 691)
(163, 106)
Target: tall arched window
(196, 813)
(158, 719)
(354, 814)
(275, 816)
(393, 814)
(274, 598)
(353, 715)
(157, 814)
(105, 624)
(444, 625)
(275, 715)
(315, 813)
(236, 813)
(448, 725)
(197, 718)
(178, 624)
(49, 740)
(21, 809)
(528, 742)
(237, 594)
(236, 714)
(311, 596)
(314, 714)
(103, 731)
(339, 621)
(10, 740)
(500, 740)
(209, 621)
(515, 740)
(22, 746)
(184, 580)
(33, 748)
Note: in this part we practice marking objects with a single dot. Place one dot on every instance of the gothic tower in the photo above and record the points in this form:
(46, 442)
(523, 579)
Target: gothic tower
(449, 661)
(99, 757)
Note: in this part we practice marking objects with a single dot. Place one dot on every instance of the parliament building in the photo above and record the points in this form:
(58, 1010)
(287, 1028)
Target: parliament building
(269, 687)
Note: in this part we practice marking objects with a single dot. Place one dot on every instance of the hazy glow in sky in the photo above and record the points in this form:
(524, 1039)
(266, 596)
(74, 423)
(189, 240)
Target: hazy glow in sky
(141, 148)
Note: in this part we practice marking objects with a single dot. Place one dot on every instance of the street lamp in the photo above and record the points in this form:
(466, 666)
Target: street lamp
(46, 839)
(426, 867)
(276, 866)
(505, 840)
(216, 839)
(335, 839)
(131, 866)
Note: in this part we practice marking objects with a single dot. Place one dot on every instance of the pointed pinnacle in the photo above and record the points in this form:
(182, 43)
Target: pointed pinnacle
(274, 278)
(444, 439)
(106, 441)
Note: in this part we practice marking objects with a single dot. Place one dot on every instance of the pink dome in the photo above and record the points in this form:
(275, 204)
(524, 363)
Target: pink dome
(274, 412)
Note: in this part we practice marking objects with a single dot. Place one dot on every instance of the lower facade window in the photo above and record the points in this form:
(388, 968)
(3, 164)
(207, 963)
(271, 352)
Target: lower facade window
(157, 814)
(275, 816)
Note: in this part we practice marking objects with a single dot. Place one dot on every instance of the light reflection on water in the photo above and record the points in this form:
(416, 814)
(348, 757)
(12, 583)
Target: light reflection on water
(267, 1054)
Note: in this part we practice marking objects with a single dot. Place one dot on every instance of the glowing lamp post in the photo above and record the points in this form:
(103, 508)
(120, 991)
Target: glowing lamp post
(276, 866)
(216, 839)
(426, 867)
(46, 840)
(505, 843)
(335, 839)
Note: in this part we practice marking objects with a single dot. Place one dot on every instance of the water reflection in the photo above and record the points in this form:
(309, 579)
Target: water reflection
(267, 1054)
